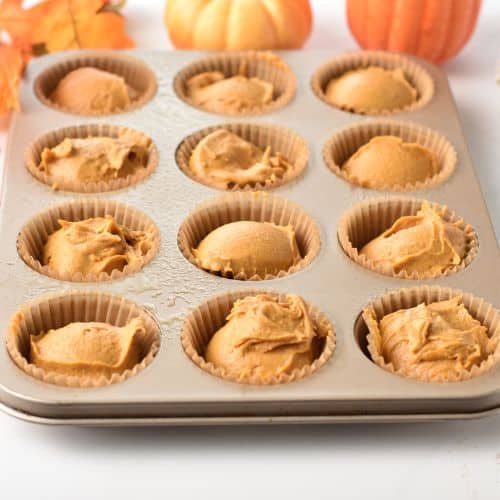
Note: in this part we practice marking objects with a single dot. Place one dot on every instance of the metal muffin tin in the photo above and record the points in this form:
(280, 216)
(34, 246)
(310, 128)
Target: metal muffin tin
(172, 390)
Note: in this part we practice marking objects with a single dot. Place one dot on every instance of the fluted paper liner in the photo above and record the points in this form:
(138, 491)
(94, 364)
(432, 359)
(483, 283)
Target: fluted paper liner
(254, 206)
(367, 326)
(370, 218)
(264, 65)
(139, 78)
(416, 75)
(58, 310)
(34, 234)
(202, 323)
(345, 142)
(282, 140)
(51, 139)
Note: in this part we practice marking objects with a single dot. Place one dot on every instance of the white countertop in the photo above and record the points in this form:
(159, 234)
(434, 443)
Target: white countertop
(459, 460)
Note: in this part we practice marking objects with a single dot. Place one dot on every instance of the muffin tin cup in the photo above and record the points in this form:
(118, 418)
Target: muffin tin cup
(282, 140)
(417, 76)
(367, 325)
(254, 206)
(347, 141)
(202, 323)
(263, 65)
(370, 218)
(34, 234)
(137, 75)
(56, 311)
(55, 137)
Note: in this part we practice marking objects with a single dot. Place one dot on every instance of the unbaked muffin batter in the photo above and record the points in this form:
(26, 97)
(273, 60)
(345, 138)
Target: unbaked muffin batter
(224, 160)
(423, 243)
(94, 246)
(435, 342)
(76, 162)
(90, 90)
(371, 90)
(248, 248)
(88, 349)
(387, 161)
(213, 91)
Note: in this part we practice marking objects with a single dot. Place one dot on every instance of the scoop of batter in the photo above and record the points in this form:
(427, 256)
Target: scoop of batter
(223, 159)
(436, 342)
(387, 161)
(91, 90)
(93, 246)
(423, 244)
(249, 248)
(74, 162)
(88, 349)
(371, 90)
(265, 338)
(215, 92)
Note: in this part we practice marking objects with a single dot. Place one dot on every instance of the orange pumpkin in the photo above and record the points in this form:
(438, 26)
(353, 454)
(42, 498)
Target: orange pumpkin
(433, 29)
(238, 24)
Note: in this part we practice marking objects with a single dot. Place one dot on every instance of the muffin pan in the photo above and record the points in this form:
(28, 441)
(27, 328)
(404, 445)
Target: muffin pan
(172, 389)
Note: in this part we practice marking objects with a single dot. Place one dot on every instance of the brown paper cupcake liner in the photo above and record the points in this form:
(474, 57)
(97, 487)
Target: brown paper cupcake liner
(367, 326)
(33, 235)
(56, 311)
(201, 324)
(51, 139)
(370, 218)
(138, 76)
(346, 141)
(264, 65)
(254, 206)
(417, 76)
(282, 140)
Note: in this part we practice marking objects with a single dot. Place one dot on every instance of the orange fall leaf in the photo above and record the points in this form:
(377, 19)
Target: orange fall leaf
(10, 73)
(78, 24)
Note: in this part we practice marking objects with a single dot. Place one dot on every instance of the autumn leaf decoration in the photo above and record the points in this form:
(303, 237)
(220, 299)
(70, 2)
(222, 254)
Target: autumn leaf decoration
(52, 26)
(11, 65)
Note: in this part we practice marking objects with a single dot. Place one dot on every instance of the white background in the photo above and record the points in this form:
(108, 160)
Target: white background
(458, 460)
